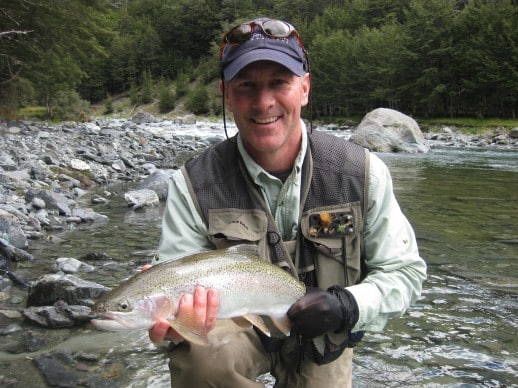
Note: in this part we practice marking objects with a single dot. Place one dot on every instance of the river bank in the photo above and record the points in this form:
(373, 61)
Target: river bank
(47, 175)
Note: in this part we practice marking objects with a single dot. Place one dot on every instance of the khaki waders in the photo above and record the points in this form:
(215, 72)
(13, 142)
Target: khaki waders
(236, 357)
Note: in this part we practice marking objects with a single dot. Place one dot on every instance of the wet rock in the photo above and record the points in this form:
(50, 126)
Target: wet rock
(138, 199)
(10, 329)
(29, 342)
(158, 181)
(53, 200)
(13, 253)
(387, 130)
(97, 256)
(50, 288)
(58, 316)
(71, 265)
(56, 372)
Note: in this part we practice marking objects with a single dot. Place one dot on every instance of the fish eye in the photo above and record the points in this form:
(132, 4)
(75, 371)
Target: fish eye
(123, 306)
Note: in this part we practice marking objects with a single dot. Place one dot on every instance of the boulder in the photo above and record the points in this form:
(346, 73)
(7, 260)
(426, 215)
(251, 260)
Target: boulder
(387, 130)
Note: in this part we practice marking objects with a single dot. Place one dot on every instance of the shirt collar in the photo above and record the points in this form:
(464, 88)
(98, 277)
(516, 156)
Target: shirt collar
(256, 170)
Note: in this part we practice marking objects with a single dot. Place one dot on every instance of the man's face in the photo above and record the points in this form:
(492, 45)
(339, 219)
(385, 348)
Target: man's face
(266, 99)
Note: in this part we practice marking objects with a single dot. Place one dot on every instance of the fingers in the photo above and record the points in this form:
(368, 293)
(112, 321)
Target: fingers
(202, 307)
(145, 267)
(159, 331)
(212, 308)
(206, 307)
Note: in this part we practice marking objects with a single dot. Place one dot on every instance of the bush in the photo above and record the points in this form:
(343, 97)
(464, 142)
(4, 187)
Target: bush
(108, 105)
(182, 85)
(68, 105)
(166, 99)
(198, 100)
(18, 92)
(146, 94)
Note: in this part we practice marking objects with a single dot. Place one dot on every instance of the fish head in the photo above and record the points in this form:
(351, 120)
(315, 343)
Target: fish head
(125, 314)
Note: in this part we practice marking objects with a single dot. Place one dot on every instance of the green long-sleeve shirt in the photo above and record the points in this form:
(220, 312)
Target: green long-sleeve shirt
(395, 269)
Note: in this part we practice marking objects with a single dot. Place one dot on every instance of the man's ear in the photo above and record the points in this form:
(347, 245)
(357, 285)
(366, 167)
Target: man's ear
(223, 89)
(306, 86)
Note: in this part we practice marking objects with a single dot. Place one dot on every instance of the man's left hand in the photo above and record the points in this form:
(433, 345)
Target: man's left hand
(319, 312)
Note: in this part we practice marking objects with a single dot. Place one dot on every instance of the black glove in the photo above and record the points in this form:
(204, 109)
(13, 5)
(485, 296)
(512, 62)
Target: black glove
(319, 312)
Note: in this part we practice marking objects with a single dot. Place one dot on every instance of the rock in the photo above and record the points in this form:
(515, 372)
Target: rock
(13, 253)
(55, 372)
(158, 181)
(53, 201)
(71, 265)
(29, 342)
(59, 315)
(143, 118)
(50, 288)
(77, 164)
(513, 133)
(137, 199)
(387, 130)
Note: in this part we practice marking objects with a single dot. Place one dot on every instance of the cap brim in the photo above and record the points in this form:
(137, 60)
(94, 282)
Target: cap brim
(245, 59)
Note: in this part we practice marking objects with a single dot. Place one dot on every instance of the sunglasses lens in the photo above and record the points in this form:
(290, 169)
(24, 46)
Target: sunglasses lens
(239, 34)
(277, 28)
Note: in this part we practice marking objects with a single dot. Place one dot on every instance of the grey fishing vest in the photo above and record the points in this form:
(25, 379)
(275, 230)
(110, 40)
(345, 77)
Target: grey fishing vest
(329, 246)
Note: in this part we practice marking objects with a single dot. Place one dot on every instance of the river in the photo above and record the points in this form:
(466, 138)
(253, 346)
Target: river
(463, 204)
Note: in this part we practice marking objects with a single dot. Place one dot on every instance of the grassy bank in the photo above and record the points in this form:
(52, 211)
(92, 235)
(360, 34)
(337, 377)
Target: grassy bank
(467, 125)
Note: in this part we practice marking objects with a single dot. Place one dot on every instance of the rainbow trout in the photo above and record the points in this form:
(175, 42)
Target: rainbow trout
(248, 288)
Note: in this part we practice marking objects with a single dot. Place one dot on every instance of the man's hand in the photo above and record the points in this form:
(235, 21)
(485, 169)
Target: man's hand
(319, 312)
(203, 306)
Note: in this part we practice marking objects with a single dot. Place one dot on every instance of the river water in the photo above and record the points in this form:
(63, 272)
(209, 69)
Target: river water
(463, 204)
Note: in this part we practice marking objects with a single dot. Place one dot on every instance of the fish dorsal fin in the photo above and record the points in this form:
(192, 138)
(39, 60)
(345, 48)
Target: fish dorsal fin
(258, 322)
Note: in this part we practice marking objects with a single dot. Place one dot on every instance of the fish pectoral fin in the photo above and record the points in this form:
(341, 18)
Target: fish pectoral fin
(258, 322)
(242, 322)
(189, 332)
(283, 324)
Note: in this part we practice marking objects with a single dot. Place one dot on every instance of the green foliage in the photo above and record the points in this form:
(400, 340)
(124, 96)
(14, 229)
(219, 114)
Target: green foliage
(198, 100)
(68, 105)
(134, 95)
(425, 58)
(146, 94)
(108, 105)
(182, 85)
(50, 42)
(17, 92)
(166, 99)
(33, 113)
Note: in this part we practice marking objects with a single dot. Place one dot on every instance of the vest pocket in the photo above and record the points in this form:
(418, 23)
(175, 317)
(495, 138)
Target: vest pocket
(335, 233)
(230, 226)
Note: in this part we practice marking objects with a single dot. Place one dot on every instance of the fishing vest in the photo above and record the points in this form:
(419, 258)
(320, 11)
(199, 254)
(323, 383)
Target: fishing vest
(328, 247)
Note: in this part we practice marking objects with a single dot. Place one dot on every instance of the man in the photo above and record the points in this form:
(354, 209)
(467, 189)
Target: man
(318, 206)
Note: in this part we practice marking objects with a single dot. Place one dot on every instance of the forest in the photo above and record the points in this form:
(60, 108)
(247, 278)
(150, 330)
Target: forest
(426, 58)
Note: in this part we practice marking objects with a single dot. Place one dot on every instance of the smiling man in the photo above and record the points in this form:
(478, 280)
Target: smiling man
(316, 205)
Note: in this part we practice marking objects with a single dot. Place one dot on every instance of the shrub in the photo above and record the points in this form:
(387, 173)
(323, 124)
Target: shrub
(166, 99)
(108, 105)
(182, 85)
(68, 105)
(198, 100)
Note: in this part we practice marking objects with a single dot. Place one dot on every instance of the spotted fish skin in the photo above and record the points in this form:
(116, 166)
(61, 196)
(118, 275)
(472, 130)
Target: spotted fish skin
(248, 288)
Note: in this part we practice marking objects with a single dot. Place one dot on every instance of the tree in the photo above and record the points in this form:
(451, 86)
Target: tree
(60, 38)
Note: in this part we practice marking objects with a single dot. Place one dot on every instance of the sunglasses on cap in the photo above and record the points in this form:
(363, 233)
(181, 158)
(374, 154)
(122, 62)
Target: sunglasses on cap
(272, 28)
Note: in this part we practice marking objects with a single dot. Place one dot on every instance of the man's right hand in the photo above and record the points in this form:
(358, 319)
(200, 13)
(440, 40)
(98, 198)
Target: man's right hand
(203, 306)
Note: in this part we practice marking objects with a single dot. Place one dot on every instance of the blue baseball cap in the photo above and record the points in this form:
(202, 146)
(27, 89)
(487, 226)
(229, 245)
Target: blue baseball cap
(286, 51)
